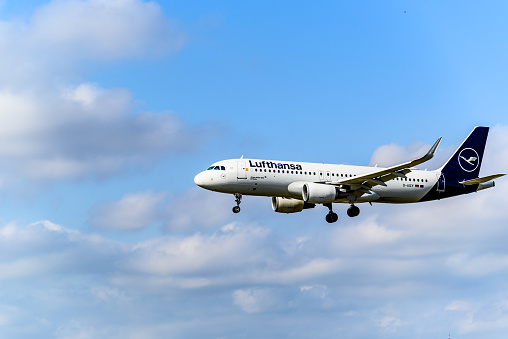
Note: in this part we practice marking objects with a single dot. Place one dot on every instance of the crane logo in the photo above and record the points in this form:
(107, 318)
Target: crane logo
(468, 159)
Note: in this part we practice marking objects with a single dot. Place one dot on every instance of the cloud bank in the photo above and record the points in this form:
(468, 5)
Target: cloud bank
(362, 276)
(52, 128)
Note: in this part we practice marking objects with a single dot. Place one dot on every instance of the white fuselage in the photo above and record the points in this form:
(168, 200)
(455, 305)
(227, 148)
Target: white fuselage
(282, 179)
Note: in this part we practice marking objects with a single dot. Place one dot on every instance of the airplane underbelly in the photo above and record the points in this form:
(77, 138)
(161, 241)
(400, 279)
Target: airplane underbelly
(402, 194)
(257, 186)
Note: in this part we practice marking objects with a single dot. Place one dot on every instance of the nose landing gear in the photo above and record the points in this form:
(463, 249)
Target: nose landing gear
(238, 200)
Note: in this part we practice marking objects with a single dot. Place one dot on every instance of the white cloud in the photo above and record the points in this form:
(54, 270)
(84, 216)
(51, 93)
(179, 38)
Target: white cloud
(482, 317)
(319, 290)
(496, 152)
(256, 300)
(188, 211)
(83, 131)
(197, 208)
(52, 128)
(104, 29)
(60, 35)
(389, 322)
(368, 273)
(42, 249)
(458, 305)
(132, 212)
(366, 233)
(387, 155)
(479, 265)
(393, 154)
(228, 249)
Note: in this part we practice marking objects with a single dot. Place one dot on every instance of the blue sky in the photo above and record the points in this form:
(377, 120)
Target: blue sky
(108, 109)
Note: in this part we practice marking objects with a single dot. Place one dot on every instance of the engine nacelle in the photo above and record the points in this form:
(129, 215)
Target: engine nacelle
(319, 193)
(296, 188)
(287, 205)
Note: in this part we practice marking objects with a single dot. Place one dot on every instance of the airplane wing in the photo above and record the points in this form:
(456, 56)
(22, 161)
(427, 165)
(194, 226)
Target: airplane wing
(367, 181)
(480, 180)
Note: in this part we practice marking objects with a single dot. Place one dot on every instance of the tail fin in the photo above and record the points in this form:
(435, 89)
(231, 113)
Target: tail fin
(467, 159)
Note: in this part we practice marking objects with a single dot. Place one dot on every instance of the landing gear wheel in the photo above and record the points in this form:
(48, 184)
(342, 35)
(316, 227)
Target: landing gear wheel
(353, 211)
(332, 217)
(238, 200)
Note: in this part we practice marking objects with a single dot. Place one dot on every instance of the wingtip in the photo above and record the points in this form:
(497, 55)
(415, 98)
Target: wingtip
(434, 147)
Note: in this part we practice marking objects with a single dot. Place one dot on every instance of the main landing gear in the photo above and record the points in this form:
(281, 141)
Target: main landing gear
(238, 199)
(331, 217)
(353, 211)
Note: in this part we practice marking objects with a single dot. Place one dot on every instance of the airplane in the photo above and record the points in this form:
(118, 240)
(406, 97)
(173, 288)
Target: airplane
(295, 186)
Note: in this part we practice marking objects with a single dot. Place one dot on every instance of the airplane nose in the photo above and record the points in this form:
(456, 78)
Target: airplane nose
(199, 179)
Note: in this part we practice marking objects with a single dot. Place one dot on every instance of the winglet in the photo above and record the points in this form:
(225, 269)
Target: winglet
(432, 150)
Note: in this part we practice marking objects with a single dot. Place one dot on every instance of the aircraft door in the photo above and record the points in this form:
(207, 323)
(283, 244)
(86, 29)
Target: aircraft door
(441, 183)
(242, 170)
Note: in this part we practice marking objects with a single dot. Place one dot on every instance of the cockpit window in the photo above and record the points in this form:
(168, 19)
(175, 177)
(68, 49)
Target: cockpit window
(217, 168)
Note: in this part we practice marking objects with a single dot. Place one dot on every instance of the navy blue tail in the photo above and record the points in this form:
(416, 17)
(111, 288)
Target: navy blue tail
(467, 159)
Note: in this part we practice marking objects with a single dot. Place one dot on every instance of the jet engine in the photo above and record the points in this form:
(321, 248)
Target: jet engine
(289, 205)
(319, 193)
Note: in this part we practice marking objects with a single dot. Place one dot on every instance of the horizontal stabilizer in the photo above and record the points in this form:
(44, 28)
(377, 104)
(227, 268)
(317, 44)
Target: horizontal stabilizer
(480, 180)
